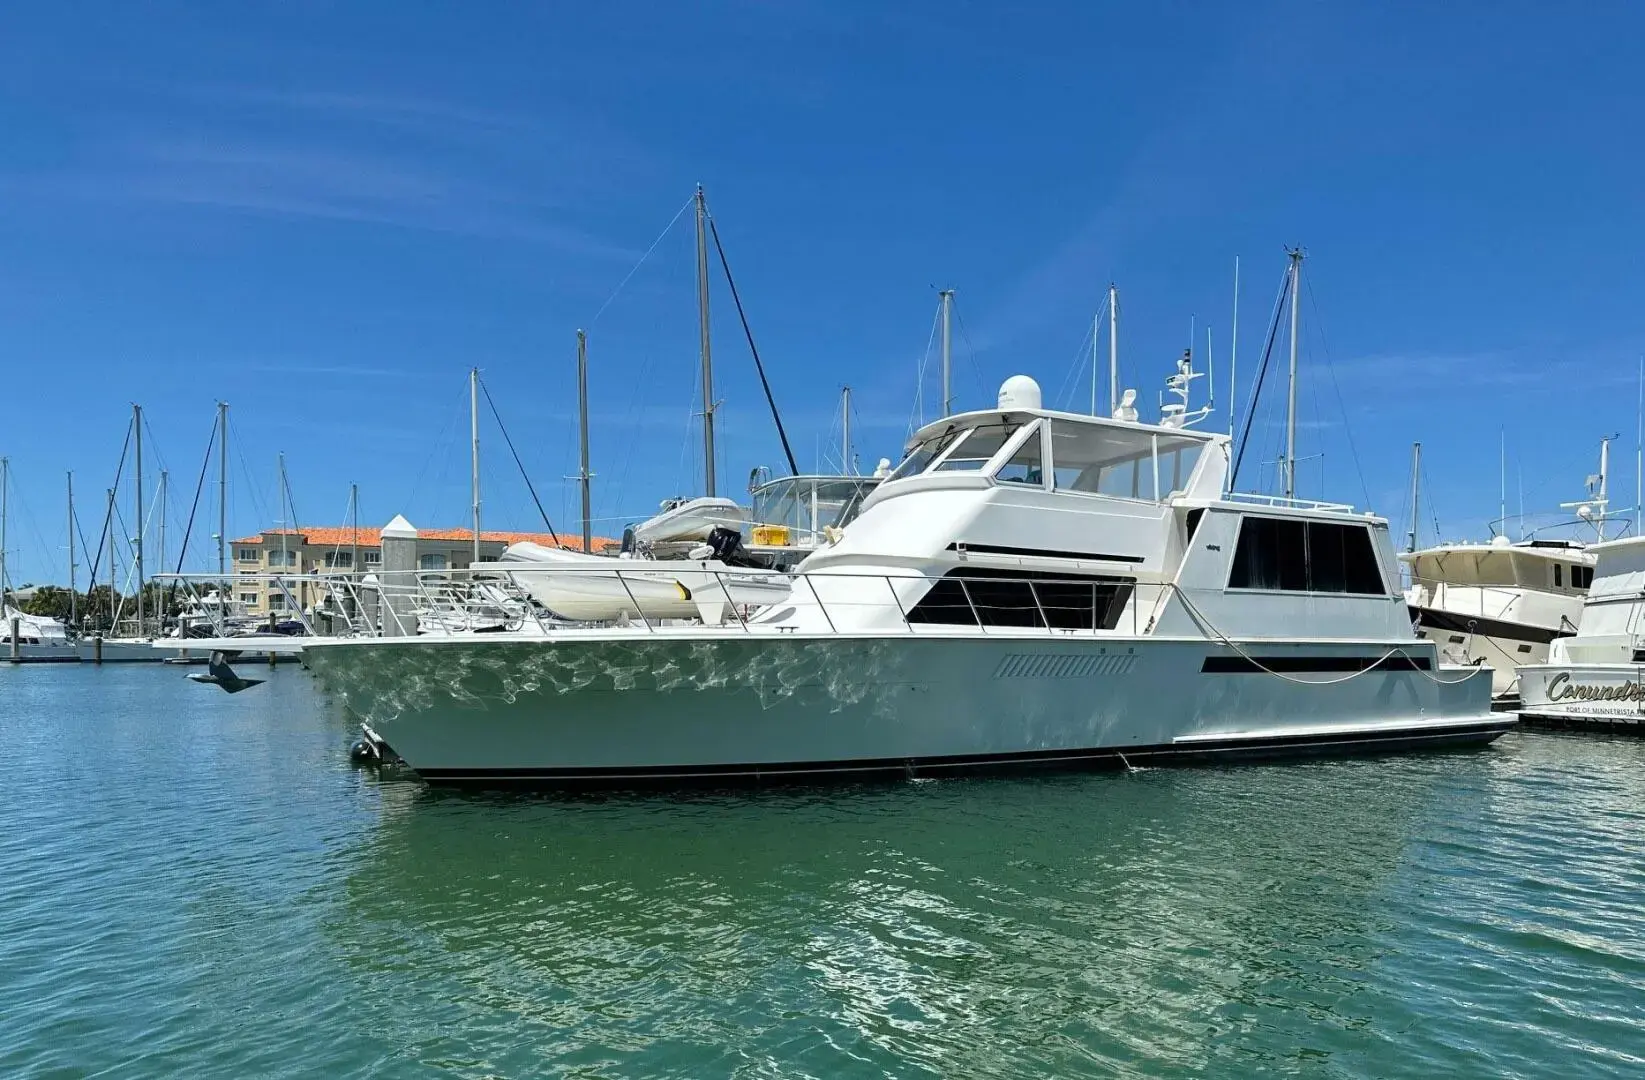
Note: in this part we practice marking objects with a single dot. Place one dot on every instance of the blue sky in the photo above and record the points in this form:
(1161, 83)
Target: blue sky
(324, 214)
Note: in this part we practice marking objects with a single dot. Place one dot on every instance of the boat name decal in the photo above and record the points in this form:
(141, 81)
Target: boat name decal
(1561, 688)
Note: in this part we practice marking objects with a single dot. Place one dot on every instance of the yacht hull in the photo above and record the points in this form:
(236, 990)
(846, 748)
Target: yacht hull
(1502, 646)
(618, 708)
(40, 653)
(1609, 697)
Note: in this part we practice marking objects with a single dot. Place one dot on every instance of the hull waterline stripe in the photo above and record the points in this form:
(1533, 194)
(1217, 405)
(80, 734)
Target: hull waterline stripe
(1344, 742)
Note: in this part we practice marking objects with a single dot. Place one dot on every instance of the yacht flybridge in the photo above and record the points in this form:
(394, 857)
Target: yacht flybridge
(1027, 587)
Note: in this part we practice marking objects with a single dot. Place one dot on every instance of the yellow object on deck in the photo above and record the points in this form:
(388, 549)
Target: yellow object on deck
(771, 535)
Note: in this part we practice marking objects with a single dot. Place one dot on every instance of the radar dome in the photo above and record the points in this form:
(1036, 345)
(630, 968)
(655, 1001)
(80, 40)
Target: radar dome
(1019, 392)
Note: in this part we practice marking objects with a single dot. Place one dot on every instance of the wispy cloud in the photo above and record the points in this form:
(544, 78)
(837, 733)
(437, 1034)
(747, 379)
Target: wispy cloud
(375, 159)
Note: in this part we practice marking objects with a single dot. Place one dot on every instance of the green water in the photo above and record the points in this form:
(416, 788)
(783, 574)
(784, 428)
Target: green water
(198, 884)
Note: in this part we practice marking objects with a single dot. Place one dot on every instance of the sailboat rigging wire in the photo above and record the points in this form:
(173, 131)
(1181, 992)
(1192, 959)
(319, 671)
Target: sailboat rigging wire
(98, 561)
(1262, 374)
(970, 349)
(916, 419)
(793, 469)
(636, 267)
(510, 444)
(199, 488)
(1331, 369)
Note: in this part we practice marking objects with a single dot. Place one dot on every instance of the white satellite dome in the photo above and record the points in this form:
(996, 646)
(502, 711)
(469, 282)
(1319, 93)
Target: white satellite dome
(1019, 392)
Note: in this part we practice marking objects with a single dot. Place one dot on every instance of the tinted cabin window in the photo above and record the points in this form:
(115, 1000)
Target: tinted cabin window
(1582, 577)
(1305, 556)
(973, 596)
(1558, 582)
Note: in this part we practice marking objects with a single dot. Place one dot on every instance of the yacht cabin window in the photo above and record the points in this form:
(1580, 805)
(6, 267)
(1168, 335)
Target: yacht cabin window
(1305, 556)
(1026, 465)
(976, 448)
(1559, 579)
(923, 454)
(1121, 462)
(1582, 577)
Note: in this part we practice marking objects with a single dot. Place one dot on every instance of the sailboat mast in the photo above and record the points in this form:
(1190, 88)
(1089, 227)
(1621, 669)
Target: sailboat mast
(222, 490)
(5, 513)
(1113, 348)
(137, 541)
(1233, 357)
(74, 592)
(284, 524)
(474, 454)
(845, 430)
(947, 298)
(704, 352)
(1604, 470)
(354, 527)
(164, 483)
(108, 536)
(1416, 492)
(1291, 408)
(1502, 486)
(583, 475)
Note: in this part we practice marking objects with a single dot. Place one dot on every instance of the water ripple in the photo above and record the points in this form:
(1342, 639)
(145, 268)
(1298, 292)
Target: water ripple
(197, 884)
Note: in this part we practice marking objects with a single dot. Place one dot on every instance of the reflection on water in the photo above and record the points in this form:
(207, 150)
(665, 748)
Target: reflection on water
(212, 888)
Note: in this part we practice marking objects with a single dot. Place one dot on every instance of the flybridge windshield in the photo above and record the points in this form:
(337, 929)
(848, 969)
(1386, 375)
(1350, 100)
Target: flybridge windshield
(1064, 455)
(966, 450)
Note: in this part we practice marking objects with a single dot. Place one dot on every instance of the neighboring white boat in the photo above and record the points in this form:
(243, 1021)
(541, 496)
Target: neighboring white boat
(795, 515)
(38, 639)
(1596, 678)
(1499, 605)
(597, 588)
(1028, 588)
(1502, 604)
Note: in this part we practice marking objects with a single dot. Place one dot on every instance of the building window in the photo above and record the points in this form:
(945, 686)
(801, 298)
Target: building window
(248, 598)
(1305, 556)
(282, 558)
(372, 558)
(276, 601)
(340, 560)
(434, 561)
(246, 554)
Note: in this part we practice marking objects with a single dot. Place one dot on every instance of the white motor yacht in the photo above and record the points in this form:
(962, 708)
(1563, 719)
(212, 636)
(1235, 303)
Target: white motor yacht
(1498, 605)
(1029, 587)
(33, 638)
(1596, 677)
(1503, 604)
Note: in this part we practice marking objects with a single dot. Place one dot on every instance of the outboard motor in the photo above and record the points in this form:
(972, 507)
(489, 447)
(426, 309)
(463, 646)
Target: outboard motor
(727, 546)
